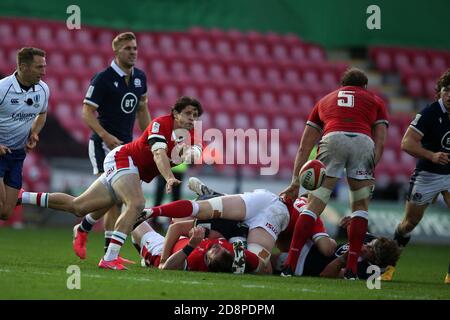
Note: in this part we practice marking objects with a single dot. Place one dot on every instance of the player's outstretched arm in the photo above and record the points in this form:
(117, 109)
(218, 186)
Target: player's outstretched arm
(177, 261)
(335, 267)
(163, 163)
(310, 137)
(174, 232)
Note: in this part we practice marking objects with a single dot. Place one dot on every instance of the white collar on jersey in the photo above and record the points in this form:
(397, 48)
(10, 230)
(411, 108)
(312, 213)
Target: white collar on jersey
(119, 71)
(443, 108)
(17, 86)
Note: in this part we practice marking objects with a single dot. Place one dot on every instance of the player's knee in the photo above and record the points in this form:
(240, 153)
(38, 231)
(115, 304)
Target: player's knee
(136, 206)
(359, 198)
(78, 208)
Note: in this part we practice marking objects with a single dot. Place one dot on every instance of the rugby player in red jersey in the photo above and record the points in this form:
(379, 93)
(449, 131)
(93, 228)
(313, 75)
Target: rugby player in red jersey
(351, 124)
(125, 166)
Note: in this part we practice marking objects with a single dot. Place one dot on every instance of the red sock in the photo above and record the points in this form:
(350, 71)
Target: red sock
(356, 233)
(176, 209)
(302, 232)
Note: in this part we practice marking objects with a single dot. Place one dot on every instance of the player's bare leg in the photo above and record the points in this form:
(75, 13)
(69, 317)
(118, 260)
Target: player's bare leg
(413, 215)
(261, 243)
(226, 207)
(230, 207)
(96, 197)
(8, 200)
(128, 190)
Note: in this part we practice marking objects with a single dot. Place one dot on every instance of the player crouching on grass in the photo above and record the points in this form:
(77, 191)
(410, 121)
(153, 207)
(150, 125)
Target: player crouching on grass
(125, 167)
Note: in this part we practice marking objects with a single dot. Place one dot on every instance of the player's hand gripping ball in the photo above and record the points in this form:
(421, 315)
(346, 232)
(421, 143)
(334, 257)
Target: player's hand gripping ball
(312, 174)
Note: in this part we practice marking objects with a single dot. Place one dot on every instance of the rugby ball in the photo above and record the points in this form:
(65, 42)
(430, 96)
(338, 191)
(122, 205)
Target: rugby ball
(312, 174)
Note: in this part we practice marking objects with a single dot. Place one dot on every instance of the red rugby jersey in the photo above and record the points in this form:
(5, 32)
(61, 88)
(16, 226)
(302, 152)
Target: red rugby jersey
(161, 129)
(349, 109)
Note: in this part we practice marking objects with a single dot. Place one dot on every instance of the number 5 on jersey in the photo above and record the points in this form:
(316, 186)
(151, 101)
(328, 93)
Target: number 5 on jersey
(347, 99)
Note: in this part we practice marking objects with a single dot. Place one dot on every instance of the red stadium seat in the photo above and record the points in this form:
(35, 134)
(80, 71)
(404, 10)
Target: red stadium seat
(260, 121)
(414, 87)
(383, 61)
(298, 53)
(241, 120)
(280, 53)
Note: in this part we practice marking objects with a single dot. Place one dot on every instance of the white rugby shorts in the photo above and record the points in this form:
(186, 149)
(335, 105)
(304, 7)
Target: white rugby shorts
(424, 186)
(354, 152)
(264, 209)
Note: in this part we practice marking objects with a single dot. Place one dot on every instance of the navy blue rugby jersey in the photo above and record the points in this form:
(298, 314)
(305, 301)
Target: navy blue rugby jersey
(433, 123)
(116, 102)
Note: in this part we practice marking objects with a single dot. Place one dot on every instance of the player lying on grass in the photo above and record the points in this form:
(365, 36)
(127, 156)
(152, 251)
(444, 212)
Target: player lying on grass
(380, 252)
(192, 247)
(266, 214)
(319, 256)
(125, 167)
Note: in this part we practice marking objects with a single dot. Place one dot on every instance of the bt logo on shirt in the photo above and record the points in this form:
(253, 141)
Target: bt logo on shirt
(445, 142)
(129, 102)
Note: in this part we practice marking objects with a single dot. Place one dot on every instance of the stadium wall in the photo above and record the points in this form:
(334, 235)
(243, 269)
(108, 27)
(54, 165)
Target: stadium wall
(331, 23)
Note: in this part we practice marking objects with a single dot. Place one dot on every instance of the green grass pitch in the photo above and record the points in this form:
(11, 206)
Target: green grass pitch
(34, 262)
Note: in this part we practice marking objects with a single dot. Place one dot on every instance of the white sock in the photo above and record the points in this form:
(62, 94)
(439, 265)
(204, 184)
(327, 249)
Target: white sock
(35, 198)
(117, 240)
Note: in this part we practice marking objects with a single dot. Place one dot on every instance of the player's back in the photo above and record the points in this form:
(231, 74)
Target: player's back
(350, 109)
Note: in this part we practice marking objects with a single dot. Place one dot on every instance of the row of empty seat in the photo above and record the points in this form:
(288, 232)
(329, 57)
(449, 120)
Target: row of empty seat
(419, 68)
(244, 80)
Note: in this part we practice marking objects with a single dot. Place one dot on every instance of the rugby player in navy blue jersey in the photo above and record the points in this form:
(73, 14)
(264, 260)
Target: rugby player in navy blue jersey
(115, 99)
(427, 139)
(23, 112)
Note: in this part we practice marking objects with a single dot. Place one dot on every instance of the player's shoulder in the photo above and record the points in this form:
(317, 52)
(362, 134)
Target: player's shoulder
(164, 120)
(44, 86)
(432, 108)
(106, 73)
(6, 82)
(138, 73)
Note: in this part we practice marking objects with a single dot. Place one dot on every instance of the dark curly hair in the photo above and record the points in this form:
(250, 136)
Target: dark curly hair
(185, 101)
(354, 77)
(386, 252)
(443, 82)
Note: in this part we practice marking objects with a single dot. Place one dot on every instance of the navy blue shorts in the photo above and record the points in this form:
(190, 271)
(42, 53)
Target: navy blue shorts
(11, 165)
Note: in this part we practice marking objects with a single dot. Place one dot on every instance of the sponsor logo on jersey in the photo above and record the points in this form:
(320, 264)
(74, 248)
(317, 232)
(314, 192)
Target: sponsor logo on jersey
(129, 102)
(416, 119)
(89, 92)
(417, 196)
(23, 117)
(445, 142)
(14, 101)
(137, 83)
(116, 84)
(36, 100)
(155, 127)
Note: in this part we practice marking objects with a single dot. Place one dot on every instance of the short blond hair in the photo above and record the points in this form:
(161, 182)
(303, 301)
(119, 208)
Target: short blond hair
(121, 38)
